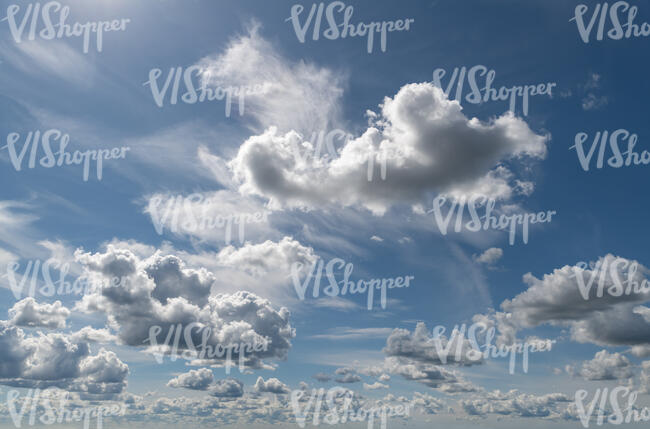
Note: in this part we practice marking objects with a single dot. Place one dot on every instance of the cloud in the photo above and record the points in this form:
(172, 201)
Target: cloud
(433, 146)
(322, 377)
(345, 333)
(91, 335)
(422, 347)
(55, 57)
(490, 256)
(214, 217)
(347, 375)
(227, 388)
(259, 259)
(272, 385)
(433, 376)
(195, 379)
(558, 299)
(162, 293)
(299, 95)
(606, 366)
(335, 303)
(376, 238)
(516, 404)
(374, 386)
(55, 360)
(31, 314)
(593, 102)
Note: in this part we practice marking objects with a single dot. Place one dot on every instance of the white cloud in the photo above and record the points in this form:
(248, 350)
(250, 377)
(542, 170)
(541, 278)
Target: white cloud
(374, 386)
(56, 360)
(195, 379)
(29, 313)
(606, 366)
(161, 291)
(54, 57)
(272, 385)
(436, 148)
(490, 256)
(300, 96)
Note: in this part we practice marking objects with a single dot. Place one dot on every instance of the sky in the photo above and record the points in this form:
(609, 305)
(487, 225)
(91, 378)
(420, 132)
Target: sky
(181, 183)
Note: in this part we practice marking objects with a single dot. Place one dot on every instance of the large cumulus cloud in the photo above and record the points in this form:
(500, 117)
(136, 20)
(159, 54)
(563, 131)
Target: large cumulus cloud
(56, 360)
(164, 294)
(431, 146)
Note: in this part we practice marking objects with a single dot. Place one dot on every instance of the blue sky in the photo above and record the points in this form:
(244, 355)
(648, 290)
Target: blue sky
(326, 208)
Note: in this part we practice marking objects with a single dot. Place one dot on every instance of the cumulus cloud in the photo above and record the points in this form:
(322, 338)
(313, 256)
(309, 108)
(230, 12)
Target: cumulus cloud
(91, 335)
(433, 376)
(29, 313)
(422, 357)
(227, 388)
(195, 379)
(162, 293)
(609, 319)
(259, 259)
(55, 360)
(606, 366)
(433, 147)
(272, 385)
(347, 375)
(516, 404)
(427, 348)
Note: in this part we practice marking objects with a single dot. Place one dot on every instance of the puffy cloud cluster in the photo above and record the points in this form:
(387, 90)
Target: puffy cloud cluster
(29, 313)
(194, 379)
(606, 366)
(227, 388)
(57, 360)
(421, 357)
(516, 404)
(434, 376)
(347, 375)
(272, 385)
(164, 294)
(431, 146)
